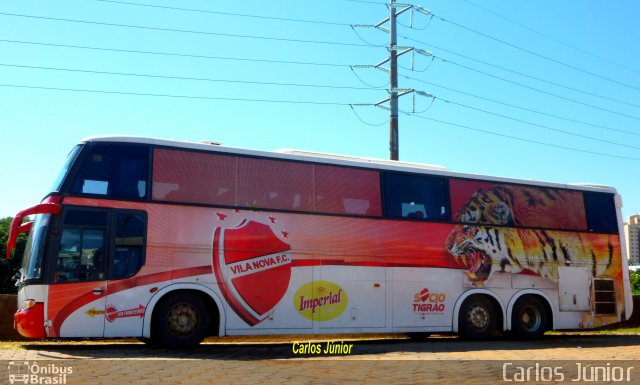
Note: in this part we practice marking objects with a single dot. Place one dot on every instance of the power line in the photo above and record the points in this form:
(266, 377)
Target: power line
(521, 139)
(175, 54)
(584, 51)
(366, 2)
(539, 90)
(367, 123)
(539, 125)
(288, 40)
(523, 74)
(175, 96)
(536, 54)
(172, 77)
(366, 83)
(187, 31)
(302, 102)
(521, 108)
(226, 13)
(349, 25)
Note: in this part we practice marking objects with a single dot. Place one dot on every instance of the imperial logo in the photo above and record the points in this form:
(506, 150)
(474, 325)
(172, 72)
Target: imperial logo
(253, 267)
(320, 300)
(429, 302)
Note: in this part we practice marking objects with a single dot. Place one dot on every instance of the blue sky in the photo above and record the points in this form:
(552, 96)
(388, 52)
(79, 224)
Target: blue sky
(587, 48)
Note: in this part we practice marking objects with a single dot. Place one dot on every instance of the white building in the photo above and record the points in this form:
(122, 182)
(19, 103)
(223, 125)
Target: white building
(632, 233)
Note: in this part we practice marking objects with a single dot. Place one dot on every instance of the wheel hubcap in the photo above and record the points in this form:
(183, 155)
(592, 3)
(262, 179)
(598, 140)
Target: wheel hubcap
(478, 317)
(183, 319)
(530, 318)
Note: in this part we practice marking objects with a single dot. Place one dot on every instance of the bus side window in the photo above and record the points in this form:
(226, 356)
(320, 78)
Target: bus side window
(416, 197)
(129, 244)
(81, 254)
(601, 212)
(113, 170)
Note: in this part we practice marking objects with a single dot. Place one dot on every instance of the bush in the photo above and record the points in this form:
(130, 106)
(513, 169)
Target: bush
(635, 282)
(9, 268)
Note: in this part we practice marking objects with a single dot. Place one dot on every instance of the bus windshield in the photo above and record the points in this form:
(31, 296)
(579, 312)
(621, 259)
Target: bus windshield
(32, 261)
(57, 185)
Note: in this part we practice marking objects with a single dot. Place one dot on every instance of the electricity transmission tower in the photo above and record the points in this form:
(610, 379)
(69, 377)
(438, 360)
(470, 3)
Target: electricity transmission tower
(395, 51)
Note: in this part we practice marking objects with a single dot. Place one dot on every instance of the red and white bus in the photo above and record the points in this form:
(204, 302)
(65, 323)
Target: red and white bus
(174, 241)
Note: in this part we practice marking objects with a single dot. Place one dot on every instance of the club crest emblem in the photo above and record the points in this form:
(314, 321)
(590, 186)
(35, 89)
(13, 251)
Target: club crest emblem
(253, 267)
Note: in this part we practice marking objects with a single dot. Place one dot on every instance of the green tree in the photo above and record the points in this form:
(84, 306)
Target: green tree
(8, 268)
(635, 282)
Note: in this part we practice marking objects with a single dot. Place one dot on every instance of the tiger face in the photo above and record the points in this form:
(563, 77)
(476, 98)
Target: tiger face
(491, 207)
(485, 250)
(479, 248)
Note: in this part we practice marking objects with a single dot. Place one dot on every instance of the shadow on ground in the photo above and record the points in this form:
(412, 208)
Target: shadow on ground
(233, 349)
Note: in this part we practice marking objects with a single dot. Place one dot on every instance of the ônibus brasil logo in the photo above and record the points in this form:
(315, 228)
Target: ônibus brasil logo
(320, 300)
(253, 266)
(428, 302)
(25, 372)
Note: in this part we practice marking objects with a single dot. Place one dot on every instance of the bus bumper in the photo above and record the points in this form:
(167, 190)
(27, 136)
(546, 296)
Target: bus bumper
(30, 322)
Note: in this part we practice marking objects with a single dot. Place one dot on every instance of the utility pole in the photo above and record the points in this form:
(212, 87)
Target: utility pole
(393, 82)
(395, 51)
(394, 92)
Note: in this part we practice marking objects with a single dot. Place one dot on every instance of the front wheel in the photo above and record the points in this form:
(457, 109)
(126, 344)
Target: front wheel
(180, 320)
(529, 318)
(477, 319)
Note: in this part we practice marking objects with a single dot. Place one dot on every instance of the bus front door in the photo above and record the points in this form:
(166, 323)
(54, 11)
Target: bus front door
(76, 298)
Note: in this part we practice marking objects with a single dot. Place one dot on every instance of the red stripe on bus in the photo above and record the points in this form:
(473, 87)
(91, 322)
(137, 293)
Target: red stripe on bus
(118, 286)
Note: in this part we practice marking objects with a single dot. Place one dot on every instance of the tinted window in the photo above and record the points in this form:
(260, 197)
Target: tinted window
(129, 244)
(416, 196)
(515, 205)
(81, 252)
(85, 218)
(67, 165)
(34, 250)
(343, 190)
(113, 170)
(183, 176)
(274, 184)
(601, 212)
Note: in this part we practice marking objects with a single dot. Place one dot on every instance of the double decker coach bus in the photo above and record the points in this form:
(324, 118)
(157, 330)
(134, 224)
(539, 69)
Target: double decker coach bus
(174, 241)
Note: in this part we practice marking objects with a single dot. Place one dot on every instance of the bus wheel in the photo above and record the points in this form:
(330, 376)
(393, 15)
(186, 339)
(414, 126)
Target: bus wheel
(529, 318)
(477, 319)
(180, 320)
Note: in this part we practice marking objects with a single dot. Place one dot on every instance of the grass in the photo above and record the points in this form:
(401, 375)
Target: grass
(617, 331)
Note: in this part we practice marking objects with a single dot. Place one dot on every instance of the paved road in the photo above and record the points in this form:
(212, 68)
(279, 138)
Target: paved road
(438, 359)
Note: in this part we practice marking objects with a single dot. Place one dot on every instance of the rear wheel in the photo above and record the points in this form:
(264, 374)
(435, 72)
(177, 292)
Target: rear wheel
(529, 318)
(477, 319)
(180, 320)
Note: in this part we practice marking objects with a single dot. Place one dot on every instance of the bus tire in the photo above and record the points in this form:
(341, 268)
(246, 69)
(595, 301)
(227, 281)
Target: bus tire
(180, 320)
(529, 318)
(477, 318)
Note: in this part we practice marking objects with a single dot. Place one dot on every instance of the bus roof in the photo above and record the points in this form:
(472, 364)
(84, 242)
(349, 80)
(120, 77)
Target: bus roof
(343, 160)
